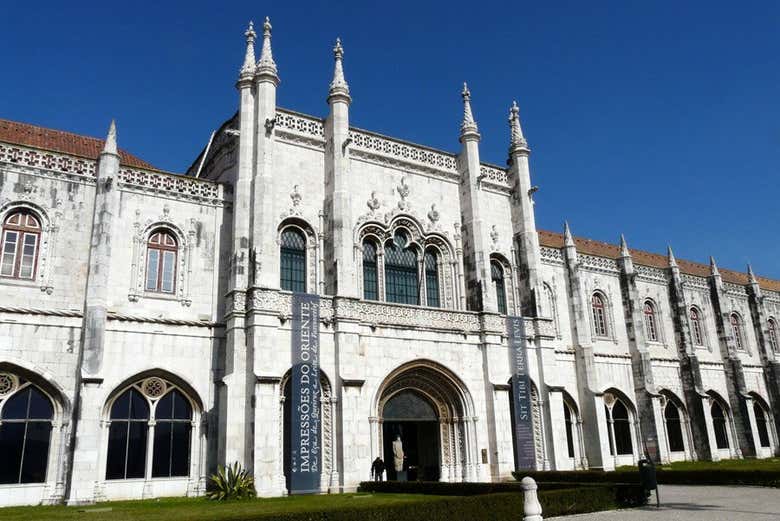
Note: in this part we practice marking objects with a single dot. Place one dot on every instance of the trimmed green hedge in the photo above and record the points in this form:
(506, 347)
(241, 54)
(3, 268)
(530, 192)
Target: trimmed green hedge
(762, 478)
(556, 498)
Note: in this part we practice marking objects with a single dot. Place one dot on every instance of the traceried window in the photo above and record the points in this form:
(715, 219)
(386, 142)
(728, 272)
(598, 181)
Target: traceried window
(621, 428)
(772, 330)
(719, 425)
(130, 439)
(432, 278)
(370, 282)
(26, 415)
(651, 323)
(293, 261)
(762, 424)
(497, 275)
(696, 327)
(401, 277)
(161, 262)
(673, 427)
(599, 315)
(20, 243)
(737, 330)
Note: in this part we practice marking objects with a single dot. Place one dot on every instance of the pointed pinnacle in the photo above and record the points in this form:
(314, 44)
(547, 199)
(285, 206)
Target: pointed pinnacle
(249, 59)
(517, 140)
(266, 66)
(568, 240)
(339, 86)
(624, 247)
(468, 126)
(110, 146)
(751, 275)
(672, 260)
(713, 267)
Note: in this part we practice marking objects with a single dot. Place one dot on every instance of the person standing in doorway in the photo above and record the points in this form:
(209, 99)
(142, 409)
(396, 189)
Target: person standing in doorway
(377, 469)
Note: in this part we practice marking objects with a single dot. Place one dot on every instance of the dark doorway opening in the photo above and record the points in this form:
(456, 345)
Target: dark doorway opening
(410, 415)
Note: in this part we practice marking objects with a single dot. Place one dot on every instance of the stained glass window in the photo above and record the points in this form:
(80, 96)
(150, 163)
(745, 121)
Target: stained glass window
(293, 261)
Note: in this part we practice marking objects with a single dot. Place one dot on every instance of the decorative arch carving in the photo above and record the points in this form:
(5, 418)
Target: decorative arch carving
(185, 244)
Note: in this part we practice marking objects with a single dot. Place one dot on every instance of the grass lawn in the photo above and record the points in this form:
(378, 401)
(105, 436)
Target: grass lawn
(200, 509)
(769, 464)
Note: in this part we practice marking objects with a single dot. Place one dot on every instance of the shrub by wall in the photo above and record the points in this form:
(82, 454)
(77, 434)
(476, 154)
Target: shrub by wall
(761, 478)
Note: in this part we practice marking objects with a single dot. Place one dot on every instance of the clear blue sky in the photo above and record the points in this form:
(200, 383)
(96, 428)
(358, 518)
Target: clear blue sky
(658, 119)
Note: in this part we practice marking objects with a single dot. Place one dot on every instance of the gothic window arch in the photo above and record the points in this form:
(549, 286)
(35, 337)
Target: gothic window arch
(651, 321)
(549, 305)
(26, 421)
(738, 330)
(697, 326)
(401, 270)
(571, 420)
(162, 249)
(774, 343)
(619, 417)
(370, 271)
(763, 423)
(720, 423)
(499, 285)
(431, 266)
(292, 252)
(599, 312)
(21, 239)
(150, 428)
(674, 422)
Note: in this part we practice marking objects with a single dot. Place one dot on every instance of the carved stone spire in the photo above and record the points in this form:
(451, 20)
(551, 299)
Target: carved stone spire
(517, 143)
(468, 128)
(751, 275)
(339, 87)
(672, 260)
(248, 69)
(714, 267)
(624, 247)
(568, 240)
(266, 66)
(110, 146)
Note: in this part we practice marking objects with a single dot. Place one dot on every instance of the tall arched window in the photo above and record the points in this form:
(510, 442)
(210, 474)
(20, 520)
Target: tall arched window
(673, 427)
(497, 275)
(719, 425)
(432, 278)
(772, 334)
(26, 415)
(150, 416)
(370, 280)
(161, 262)
(127, 436)
(651, 324)
(599, 315)
(568, 418)
(619, 428)
(401, 278)
(173, 424)
(21, 239)
(696, 328)
(293, 260)
(737, 330)
(762, 424)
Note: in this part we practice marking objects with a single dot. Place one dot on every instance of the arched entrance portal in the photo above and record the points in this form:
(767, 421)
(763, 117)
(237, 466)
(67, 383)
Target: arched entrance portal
(430, 408)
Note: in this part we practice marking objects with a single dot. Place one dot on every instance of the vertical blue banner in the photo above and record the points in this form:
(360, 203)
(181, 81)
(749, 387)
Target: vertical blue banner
(304, 428)
(525, 451)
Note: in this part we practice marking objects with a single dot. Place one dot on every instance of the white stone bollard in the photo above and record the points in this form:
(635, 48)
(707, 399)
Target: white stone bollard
(532, 509)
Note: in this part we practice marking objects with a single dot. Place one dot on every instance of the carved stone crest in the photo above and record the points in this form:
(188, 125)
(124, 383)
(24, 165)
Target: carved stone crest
(403, 191)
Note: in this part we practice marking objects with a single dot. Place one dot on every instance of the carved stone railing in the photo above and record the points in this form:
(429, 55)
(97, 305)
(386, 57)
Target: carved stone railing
(551, 255)
(651, 274)
(300, 128)
(49, 161)
(176, 186)
(692, 281)
(598, 264)
(735, 289)
(495, 178)
(376, 314)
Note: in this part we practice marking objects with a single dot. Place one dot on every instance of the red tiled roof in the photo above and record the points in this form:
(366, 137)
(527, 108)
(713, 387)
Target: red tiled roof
(612, 251)
(33, 136)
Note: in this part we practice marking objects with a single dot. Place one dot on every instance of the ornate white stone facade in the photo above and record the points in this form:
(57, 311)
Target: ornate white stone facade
(85, 328)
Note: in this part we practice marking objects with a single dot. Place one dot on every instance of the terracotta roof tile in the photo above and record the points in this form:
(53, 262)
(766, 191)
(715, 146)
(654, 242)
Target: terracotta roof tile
(34, 136)
(655, 260)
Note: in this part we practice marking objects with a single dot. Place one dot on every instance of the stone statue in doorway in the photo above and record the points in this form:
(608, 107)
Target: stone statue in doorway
(398, 453)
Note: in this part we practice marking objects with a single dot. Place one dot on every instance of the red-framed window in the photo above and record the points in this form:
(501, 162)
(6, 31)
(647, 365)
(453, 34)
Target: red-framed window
(161, 253)
(599, 315)
(651, 325)
(20, 244)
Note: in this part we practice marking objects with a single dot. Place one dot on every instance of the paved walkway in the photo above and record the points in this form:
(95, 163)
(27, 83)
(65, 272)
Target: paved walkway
(699, 503)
